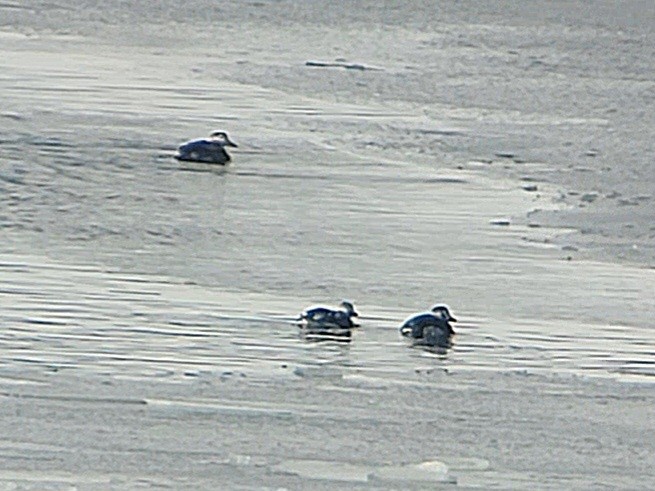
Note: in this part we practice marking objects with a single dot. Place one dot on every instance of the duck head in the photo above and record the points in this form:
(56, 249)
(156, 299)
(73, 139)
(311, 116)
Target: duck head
(349, 308)
(222, 138)
(441, 311)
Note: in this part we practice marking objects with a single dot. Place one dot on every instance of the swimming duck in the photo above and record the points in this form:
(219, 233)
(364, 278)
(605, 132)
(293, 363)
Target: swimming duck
(211, 150)
(325, 318)
(430, 328)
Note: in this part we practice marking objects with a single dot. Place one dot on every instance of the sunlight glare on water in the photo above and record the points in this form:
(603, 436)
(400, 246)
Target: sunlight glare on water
(197, 268)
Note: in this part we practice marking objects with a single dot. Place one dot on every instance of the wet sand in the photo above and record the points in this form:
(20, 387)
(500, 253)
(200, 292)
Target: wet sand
(462, 154)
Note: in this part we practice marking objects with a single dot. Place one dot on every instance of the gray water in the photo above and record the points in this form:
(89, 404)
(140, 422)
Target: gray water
(115, 258)
(433, 152)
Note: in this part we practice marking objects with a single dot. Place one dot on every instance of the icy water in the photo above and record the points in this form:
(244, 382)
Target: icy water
(147, 306)
(118, 259)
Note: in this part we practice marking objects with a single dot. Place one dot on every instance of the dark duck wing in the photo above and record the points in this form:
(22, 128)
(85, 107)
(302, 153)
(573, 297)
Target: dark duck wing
(323, 317)
(415, 327)
(318, 314)
(206, 151)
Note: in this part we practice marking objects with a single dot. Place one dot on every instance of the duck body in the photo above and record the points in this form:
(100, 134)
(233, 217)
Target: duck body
(209, 151)
(434, 336)
(326, 318)
(414, 326)
(430, 328)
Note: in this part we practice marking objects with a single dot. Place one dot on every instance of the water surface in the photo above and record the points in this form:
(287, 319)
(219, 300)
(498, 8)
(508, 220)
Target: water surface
(110, 245)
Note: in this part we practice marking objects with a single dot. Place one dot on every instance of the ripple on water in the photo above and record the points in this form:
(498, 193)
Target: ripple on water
(397, 232)
(89, 319)
(425, 472)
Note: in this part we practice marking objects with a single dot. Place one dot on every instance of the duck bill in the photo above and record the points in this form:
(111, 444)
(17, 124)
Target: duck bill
(231, 143)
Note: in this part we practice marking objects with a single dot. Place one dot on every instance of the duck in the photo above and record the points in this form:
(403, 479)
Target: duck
(430, 328)
(326, 318)
(210, 151)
